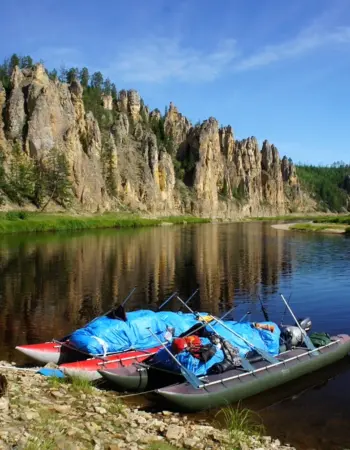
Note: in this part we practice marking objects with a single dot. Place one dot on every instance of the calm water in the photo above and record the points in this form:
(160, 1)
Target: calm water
(50, 284)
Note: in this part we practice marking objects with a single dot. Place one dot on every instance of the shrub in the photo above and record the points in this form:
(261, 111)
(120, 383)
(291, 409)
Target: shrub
(16, 215)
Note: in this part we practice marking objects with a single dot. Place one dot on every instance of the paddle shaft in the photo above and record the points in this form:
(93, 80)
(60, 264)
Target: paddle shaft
(105, 314)
(205, 324)
(245, 363)
(308, 342)
(263, 353)
(266, 316)
(167, 300)
(245, 315)
(124, 302)
(190, 376)
(127, 298)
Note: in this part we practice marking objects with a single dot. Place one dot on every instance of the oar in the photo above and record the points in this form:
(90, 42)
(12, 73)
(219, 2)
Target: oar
(191, 297)
(264, 354)
(205, 323)
(127, 298)
(189, 376)
(173, 295)
(245, 315)
(245, 363)
(266, 316)
(105, 314)
(307, 340)
(166, 301)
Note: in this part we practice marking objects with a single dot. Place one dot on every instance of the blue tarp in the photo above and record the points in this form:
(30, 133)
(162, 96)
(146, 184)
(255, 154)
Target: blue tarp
(105, 335)
(262, 339)
(199, 368)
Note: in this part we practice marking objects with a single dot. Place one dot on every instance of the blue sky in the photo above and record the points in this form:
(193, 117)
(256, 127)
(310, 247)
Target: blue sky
(275, 69)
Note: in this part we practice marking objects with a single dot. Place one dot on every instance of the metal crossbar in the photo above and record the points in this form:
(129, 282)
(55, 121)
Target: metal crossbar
(270, 365)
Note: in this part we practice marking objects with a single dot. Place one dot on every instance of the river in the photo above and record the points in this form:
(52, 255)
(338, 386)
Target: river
(52, 283)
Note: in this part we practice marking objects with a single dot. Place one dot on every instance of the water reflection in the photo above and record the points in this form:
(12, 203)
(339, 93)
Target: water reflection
(53, 283)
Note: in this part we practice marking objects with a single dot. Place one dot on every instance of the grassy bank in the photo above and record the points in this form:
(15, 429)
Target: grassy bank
(334, 218)
(23, 222)
(340, 219)
(321, 228)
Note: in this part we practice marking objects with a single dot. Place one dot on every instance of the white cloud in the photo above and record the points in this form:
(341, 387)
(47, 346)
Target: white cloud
(307, 41)
(162, 59)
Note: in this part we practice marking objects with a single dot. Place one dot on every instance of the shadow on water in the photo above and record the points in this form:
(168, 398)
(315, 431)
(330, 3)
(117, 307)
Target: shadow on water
(52, 283)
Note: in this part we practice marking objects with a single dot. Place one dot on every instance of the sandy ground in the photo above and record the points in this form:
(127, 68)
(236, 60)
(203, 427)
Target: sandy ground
(284, 226)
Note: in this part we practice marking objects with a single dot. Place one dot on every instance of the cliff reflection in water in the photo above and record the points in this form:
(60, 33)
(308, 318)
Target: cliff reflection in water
(53, 283)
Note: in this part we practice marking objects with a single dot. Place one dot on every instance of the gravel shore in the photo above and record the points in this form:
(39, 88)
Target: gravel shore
(41, 413)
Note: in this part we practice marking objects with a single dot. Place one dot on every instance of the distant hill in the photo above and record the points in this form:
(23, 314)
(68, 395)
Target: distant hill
(328, 185)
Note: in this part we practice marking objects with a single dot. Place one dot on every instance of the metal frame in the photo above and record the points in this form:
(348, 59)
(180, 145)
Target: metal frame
(266, 367)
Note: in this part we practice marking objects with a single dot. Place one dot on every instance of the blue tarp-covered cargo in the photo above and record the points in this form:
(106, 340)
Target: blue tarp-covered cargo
(199, 368)
(263, 339)
(260, 338)
(106, 335)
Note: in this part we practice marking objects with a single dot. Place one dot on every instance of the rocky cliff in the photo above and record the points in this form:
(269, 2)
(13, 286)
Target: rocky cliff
(127, 156)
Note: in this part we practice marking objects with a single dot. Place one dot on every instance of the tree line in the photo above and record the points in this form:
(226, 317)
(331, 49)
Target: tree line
(35, 181)
(327, 183)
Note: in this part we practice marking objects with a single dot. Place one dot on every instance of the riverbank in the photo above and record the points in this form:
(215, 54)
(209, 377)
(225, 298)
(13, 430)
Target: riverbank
(38, 413)
(24, 222)
(35, 222)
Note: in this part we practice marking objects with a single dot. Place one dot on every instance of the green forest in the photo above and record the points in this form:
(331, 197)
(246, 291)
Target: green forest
(328, 184)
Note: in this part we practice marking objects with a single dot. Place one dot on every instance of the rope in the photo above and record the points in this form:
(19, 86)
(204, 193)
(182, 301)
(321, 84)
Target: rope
(135, 394)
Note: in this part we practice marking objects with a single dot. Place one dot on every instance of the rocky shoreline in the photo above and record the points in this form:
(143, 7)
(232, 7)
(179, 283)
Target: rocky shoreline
(44, 413)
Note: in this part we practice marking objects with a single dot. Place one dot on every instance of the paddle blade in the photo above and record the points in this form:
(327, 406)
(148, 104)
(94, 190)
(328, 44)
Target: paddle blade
(266, 356)
(191, 378)
(310, 345)
(246, 365)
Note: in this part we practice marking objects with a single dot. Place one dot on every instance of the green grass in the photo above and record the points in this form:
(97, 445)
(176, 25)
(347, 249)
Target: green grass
(56, 382)
(241, 423)
(76, 384)
(291, 217)
(41, 442)
(331, 219)
(38, 222)
(43, 439)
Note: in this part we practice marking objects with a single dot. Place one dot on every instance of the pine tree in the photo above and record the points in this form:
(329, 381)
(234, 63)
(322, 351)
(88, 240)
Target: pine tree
(107, 87)
(84, 77)
(97, 80)
(63, 74)
(72, 74)
(56, 174)
(21, 177)
(26, 62)
(109, 168)
(53, 75)
(114, 91)
(14, 61)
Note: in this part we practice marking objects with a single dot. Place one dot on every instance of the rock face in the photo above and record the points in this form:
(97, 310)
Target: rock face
(2, 104)
(176, 126)
(146, 161)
